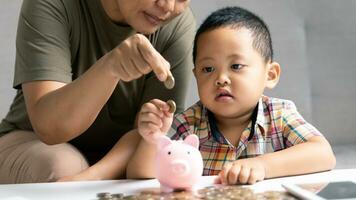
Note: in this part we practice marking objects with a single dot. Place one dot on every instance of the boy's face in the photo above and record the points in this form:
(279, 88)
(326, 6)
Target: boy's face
(146, 16)
(231, 75)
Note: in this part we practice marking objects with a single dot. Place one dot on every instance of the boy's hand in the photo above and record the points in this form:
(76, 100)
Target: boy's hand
(249, 170)
(154, 120)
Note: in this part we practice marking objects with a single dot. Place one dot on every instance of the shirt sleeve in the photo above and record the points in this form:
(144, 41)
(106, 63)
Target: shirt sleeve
(42, 43)
(296, 129)
(177, 50)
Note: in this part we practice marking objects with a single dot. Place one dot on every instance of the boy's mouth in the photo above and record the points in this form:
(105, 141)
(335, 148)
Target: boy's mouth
(223, 95)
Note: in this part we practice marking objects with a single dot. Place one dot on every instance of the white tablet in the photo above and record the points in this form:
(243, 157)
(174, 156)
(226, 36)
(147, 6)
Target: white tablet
(344, 190)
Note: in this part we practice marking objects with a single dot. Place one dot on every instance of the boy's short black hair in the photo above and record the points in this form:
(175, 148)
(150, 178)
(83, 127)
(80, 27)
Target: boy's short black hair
(236, 17)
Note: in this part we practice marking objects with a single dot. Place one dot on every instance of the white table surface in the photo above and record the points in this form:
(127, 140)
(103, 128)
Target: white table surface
(87, 190)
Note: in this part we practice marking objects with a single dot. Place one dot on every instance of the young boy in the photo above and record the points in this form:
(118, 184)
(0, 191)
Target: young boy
(244, 136)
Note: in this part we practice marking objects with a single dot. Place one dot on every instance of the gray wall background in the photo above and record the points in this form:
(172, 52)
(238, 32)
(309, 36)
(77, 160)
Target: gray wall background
(314, 41)
(9, 11)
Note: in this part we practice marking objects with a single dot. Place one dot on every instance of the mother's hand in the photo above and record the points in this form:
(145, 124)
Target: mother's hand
(135, 57)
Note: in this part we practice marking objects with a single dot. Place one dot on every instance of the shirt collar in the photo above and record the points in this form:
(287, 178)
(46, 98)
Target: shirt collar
(209, 119)
(261, 119)
(259, 125)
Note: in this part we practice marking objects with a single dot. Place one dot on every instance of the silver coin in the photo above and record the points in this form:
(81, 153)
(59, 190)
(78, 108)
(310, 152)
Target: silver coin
(172, 106)
(103, 195)
(169, 82)
(117, 196)
(131, 197)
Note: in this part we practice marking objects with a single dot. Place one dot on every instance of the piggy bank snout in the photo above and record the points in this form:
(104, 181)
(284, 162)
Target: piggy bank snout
(180, 167)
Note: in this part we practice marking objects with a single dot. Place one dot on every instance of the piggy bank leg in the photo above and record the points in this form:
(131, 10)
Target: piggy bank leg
(166, 189)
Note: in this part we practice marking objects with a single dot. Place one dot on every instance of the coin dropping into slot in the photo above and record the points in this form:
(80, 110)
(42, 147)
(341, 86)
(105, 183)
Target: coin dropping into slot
(169, 82)
(172, 106)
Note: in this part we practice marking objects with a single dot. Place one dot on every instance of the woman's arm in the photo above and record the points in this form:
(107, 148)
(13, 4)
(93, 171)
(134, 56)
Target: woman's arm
(59, 112)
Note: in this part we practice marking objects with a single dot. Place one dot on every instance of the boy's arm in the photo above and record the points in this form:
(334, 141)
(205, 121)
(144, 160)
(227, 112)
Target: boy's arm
(308, 157)
(311, 156)
(154, 119)
(307, 150)
(113, 164)
(141, 164)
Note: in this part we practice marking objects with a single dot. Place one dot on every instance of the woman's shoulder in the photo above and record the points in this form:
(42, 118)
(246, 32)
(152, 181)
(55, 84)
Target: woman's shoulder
(185, 19)
(47, 10)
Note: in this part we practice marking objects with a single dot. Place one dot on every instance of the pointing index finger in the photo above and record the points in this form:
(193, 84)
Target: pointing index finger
(158, 64)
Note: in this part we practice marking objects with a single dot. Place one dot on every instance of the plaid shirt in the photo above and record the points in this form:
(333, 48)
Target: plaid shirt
(277, 126)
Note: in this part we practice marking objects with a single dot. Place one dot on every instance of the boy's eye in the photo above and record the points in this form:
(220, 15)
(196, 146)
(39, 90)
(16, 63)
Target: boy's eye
(236, 66)
(208, 69)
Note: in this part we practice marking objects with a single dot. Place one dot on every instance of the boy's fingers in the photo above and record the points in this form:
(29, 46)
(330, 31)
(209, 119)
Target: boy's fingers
(151, 118)
(161, 105)
(244, 174)
(233, 175)
(253, 177)
(224, 173)
(151, 108)
(217, 180)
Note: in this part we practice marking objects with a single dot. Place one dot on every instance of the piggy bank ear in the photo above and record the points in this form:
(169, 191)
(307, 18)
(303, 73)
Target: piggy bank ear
(163, 141)
(192, 140)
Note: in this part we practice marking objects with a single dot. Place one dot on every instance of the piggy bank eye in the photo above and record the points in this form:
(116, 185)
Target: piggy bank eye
(169, 153)
(188, 152)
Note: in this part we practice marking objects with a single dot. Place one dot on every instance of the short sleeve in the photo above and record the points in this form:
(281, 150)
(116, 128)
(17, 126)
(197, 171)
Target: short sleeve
(42, 43)
(296, 129)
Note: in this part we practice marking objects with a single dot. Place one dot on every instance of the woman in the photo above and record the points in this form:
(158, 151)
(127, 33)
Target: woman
(83, 69)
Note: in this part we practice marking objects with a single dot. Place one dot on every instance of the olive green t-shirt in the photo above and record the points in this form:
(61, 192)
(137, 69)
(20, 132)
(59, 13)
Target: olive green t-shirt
(59, 40)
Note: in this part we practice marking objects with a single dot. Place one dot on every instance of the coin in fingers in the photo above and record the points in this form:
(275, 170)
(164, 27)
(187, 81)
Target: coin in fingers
(169, 82)
(172, 106)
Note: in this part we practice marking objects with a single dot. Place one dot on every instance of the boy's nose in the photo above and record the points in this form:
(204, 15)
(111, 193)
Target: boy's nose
(221, 84)
(166, 5)
(222, 81)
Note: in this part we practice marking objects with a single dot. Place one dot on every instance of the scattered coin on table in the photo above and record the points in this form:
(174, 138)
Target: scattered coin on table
(217, 192)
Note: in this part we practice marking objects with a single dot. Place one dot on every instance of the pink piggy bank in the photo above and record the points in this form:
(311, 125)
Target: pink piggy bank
(179, 164)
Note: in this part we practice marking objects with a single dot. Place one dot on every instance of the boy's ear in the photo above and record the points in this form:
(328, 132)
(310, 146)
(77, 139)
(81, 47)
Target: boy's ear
(273, 74)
